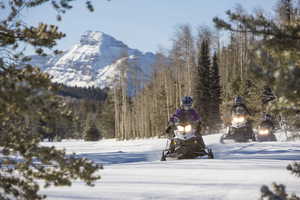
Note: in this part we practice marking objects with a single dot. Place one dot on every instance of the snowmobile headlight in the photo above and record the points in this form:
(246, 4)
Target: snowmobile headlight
(235, 119)
(180, 128)
(188, 128)
(241, 119)
(238, 119)
(263, 131)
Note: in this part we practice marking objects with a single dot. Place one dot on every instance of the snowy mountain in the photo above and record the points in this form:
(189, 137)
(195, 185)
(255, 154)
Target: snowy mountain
(95, 61)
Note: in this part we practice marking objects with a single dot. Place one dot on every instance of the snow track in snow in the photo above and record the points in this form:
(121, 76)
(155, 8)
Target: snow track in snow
(132, 170)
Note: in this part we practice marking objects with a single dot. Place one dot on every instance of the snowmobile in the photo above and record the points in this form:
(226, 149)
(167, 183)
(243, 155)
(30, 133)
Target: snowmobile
(185, 144)
(265, 132)
(240, 130)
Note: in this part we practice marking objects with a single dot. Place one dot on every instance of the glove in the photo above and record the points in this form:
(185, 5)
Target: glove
(169, 132)
(168, 129)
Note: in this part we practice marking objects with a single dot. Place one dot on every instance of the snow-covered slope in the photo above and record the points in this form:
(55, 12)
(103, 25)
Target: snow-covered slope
(132, 170)
(95, 61)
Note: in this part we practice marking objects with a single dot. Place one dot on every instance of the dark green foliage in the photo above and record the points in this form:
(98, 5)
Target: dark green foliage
(89, 93)
(279, 39)
(83, 102)
(215, 94)
(27, 96)
(278, 193)
(30, 108)
(106, 118)
(276, 35)
(207, 91)
(294, 168)
(92, 133)
(83, 109)
(202, 84)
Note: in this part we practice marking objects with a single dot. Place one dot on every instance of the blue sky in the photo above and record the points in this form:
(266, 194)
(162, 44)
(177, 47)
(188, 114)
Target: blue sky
(141, 24)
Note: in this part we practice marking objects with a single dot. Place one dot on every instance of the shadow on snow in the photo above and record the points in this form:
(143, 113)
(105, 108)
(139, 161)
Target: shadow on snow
(256, 151)
(121, 157)
(221, 151)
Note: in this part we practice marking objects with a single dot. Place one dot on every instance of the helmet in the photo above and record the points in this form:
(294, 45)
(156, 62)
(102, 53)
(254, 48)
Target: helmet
(267, 117)
(187, 101)
(238, 100)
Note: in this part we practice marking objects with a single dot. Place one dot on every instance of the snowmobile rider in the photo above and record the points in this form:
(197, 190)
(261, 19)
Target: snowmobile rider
(267, 95)
(239, 107)
(185, 113)
(267, 121)
(239, 103)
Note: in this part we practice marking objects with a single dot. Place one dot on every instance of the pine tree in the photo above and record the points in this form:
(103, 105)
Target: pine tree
(281, 40)
(215, 94)
(92, 133)
(202, 84)
(107, 117)
(294, 168)
(279, 193)
(26, 97)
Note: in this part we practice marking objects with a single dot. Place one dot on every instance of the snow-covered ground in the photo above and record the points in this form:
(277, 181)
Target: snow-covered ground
(132, 170)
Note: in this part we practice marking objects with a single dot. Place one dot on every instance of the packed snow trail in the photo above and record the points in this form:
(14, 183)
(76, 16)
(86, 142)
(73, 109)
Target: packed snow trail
(132, 170)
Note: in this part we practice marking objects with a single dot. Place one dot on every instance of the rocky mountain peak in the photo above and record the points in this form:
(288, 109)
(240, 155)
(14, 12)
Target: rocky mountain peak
(94, 61)
(101, 39)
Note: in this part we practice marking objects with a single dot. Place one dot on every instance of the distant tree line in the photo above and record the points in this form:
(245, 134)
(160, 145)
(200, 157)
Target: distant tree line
(89, 93)
(92, 109)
